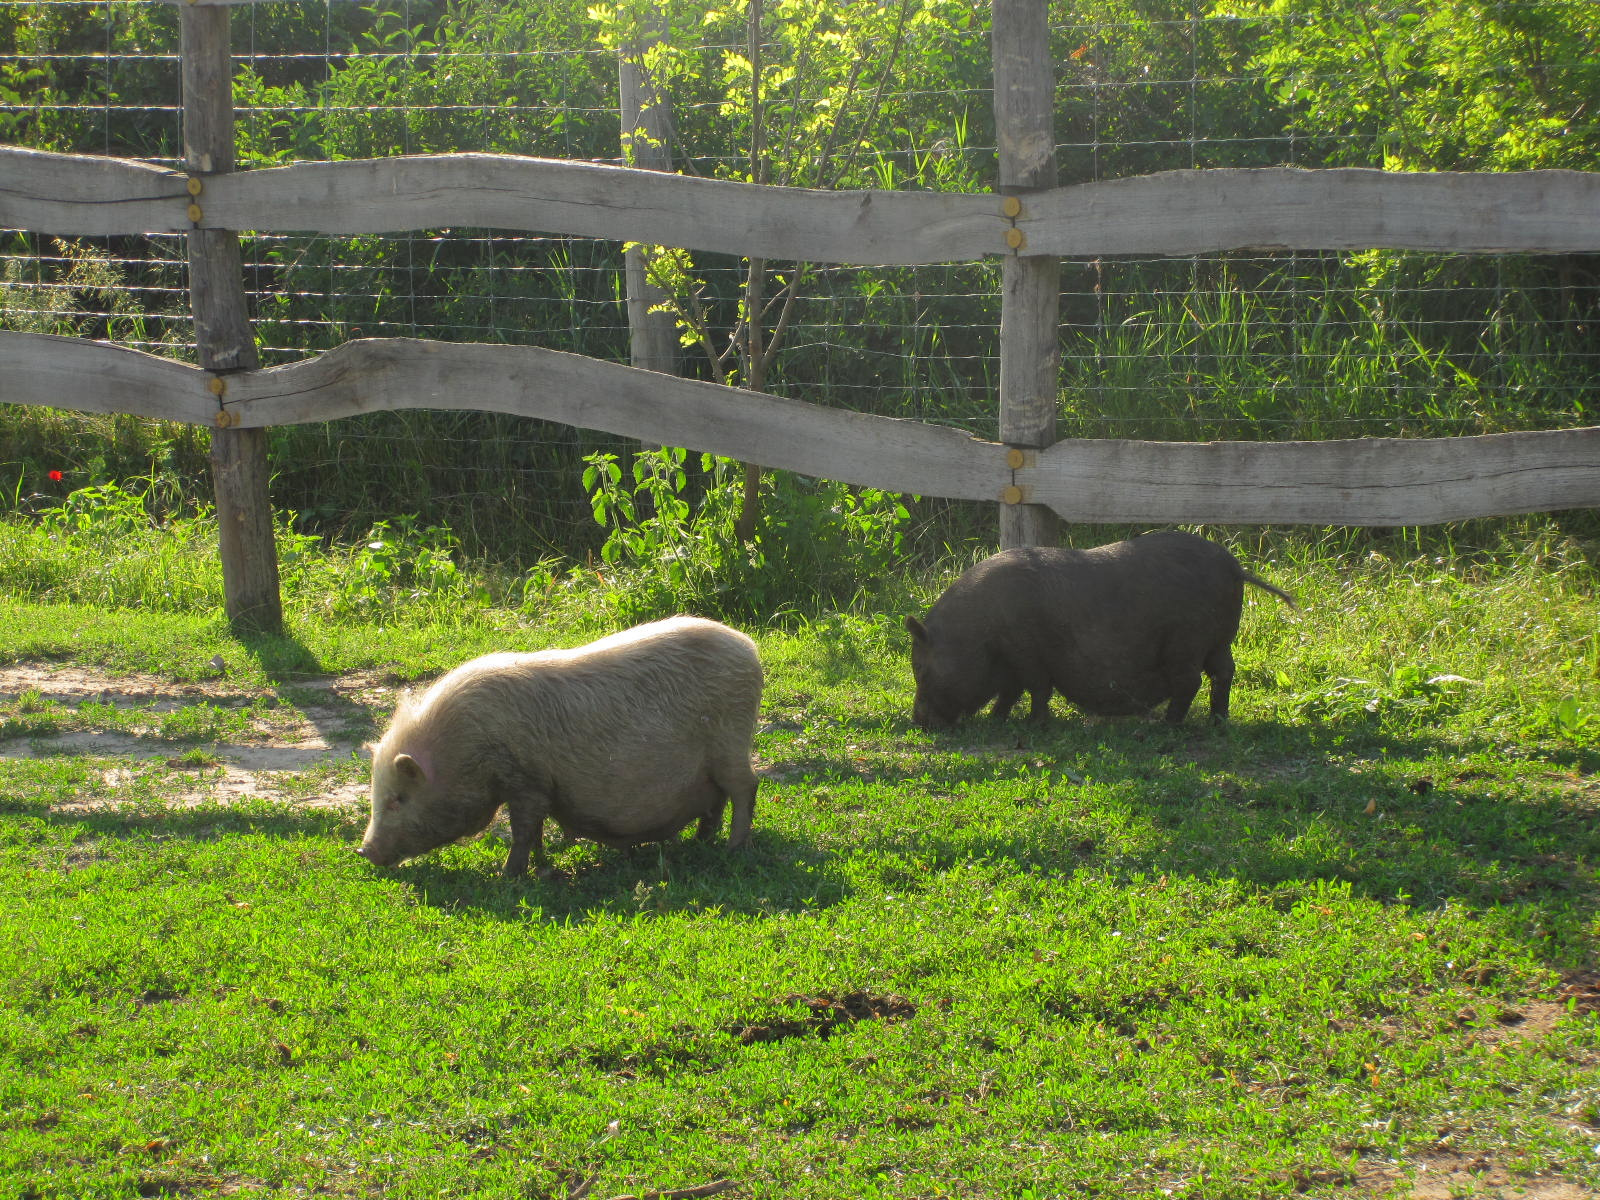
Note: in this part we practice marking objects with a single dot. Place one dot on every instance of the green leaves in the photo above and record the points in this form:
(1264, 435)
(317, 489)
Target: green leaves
(670, 523)
(1452, 85)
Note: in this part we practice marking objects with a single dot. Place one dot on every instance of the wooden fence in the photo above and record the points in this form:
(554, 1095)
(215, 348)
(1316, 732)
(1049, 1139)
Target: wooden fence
(1369, 481)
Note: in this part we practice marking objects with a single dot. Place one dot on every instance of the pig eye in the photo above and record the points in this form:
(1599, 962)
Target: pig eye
(394, 802)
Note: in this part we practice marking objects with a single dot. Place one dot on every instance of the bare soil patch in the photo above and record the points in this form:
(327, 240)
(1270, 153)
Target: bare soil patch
(1448, 1175)
(822, 1016)
(316, 723)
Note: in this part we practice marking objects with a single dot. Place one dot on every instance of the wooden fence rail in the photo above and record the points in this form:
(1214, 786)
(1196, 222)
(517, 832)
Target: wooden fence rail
(1363, 481)
(1170, 213)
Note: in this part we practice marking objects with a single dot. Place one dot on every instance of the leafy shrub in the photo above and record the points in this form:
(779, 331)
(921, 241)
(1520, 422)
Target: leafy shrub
(671, 544)
(100, 511)
(109, 544)
(1569, 719)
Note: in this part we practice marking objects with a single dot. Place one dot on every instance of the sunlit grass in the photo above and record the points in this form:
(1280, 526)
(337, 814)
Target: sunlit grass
(1304, 954)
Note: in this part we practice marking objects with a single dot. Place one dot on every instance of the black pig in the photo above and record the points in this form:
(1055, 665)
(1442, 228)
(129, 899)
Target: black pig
(1116, 630)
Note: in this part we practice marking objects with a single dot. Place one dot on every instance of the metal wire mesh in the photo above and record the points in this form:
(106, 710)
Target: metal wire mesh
(1259, 345)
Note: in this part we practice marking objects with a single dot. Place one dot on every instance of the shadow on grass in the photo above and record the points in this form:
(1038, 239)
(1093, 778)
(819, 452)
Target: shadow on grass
(1397, 817)
(777, 874)
(283, 657)
(293, 668)
(1401, 818)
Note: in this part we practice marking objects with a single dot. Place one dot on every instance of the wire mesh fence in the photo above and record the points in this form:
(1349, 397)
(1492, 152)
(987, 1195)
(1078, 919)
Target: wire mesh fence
(1261, 345)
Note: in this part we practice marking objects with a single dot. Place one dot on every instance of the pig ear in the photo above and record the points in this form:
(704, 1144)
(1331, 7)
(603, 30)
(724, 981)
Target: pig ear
(409, 768)
(918, 633)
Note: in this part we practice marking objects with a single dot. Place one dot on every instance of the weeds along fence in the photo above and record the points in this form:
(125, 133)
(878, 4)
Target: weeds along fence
(1029, 226)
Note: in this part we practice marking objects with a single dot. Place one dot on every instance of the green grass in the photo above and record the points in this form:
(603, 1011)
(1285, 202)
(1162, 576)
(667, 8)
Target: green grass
(1310, 953)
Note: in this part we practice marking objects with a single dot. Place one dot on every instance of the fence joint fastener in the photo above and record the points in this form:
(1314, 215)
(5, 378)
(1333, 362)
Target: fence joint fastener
(1018, 457)
(218, 387)
(1014, 494)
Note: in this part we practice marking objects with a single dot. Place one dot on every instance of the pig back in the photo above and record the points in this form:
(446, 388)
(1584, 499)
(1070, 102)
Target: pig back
(626, 735)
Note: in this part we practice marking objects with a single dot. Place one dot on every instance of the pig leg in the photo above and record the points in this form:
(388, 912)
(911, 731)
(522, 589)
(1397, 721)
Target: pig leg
(1219, 665)
(527, 811)
(1010, 693)
(738, 783)
(711, 824)
(1038, 685)
(1182, 688)
(1041, 702)
(1012, 684)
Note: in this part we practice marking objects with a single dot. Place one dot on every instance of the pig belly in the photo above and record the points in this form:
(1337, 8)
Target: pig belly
(1115, 693)
(627, 816)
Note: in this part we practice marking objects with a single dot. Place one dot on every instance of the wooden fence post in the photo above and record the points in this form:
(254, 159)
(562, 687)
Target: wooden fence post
(222, 332)
(1030, 348)
(646, 142)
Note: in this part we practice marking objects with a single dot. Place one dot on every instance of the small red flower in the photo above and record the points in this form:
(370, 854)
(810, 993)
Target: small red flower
(55, 476)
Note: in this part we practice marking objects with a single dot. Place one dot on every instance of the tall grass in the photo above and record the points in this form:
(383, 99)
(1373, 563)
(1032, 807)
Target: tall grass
(1301, 354)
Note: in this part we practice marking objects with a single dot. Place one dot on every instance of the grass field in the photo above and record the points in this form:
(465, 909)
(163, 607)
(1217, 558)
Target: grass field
(1344, 946)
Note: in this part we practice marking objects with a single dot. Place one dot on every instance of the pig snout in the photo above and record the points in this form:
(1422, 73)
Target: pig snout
(375, 856)
(924, 716)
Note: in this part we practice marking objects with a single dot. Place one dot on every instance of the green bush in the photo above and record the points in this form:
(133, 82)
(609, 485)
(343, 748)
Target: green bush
(671, 543)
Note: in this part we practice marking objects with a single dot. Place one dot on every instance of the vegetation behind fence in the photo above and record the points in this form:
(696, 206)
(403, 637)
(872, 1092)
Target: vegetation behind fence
(1239, 345)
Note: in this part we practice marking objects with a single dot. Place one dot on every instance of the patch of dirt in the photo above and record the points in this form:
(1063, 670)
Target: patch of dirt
(826, 1015)
(1447, 1175)
(1582, 990)
(68, 684)
(1579, 993)
(305, 733)
(1444, 1174)
(1531, 1019)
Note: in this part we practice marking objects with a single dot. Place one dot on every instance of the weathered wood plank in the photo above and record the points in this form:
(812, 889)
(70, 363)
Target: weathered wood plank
(98, 377)
(1175, 212)
(614, 203)
(1379, 481)
(1366, 481)
(1346, 208)
(364, 376)
(86, 195)
(381, 375)
(82, 194)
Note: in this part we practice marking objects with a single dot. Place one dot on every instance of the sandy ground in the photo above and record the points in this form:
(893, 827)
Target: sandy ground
(310, 734)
